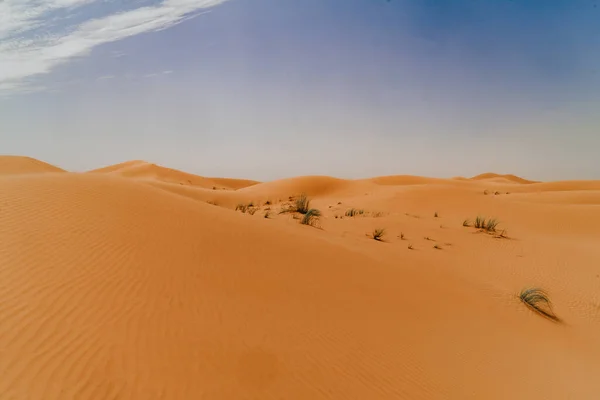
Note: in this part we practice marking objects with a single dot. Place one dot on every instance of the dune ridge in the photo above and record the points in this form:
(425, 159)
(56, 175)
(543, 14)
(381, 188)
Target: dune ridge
(18, 165)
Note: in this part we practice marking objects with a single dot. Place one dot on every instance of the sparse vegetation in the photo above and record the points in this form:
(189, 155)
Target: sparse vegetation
(486, 224)
(241, 207)
(486, 192)
(401, 235)
(302, 204)
(466, 222)
(437, 246)
(410, 246)
(538, 301)
(435, 215)
(496, 193)
(267, 214)
(378, 234)
(354, 212)
(268, 203)
(427, 238)
(252, 210)
(502, 235)
(311, 217)
(377, 214)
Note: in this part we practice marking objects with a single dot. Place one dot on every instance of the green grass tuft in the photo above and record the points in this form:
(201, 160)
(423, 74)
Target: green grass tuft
(311, 217)
(538, 301)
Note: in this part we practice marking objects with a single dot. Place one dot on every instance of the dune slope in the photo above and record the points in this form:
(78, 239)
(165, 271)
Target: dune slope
(112, 288)
(144, 170)
(17, 165)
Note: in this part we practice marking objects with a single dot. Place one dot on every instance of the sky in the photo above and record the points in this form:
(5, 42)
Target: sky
(267, 89)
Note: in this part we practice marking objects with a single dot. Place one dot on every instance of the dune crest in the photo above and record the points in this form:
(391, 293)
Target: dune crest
(140, 169)
(18, 165)
(509, 178)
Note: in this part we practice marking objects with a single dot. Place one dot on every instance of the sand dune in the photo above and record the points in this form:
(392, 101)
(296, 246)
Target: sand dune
(508, 178)
(17, 165)
(127, 285)
(144, 170)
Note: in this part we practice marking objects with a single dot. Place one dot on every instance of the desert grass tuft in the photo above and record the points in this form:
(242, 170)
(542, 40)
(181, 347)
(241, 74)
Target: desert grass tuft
(538, 301)
(267, 214)
(354, 212)
(491, 224)
(241, 207)
(410, 247)
(401, 235)
(252, 211)
(435, 215)
(437, 247)
(378, 234)
(311, 217)
(479, 222)
(466, 222)
(302, 204)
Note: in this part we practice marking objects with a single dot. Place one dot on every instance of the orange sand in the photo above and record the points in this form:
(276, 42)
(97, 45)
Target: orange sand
(125, 284)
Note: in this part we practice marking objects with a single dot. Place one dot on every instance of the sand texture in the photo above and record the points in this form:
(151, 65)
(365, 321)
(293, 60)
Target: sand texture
(137, 281)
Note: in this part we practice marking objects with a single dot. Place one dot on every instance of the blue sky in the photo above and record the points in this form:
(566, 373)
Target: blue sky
(266, 89)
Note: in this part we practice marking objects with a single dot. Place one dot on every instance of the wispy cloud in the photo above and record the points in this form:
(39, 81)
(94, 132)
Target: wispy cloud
(105, 77)
(167, 72)
(150, 75)
(25, 53)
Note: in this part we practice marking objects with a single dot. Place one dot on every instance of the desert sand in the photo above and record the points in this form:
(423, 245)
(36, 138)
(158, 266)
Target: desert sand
(137, 281)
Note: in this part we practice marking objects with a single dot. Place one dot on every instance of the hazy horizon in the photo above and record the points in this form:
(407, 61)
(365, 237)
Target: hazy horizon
(267, 89)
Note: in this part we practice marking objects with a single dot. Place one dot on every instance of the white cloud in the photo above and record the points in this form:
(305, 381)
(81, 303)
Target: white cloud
(167, 72)
(25, 54)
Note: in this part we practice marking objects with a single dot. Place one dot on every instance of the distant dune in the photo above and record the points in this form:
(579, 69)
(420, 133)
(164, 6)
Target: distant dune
(17, 165)
(124, 283)
(145, 170)
(508, 178)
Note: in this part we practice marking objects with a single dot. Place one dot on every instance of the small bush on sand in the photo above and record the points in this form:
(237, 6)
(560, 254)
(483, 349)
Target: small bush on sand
(435, 215)
(252, 211)
(466, 222)
(378, 234)
(302, 204)
(241, 207)
(354, 212)
(490, 225)
(401, 235)
(267, 214)
(311, 217)
(410, 247)
(538, 301)
(486, 224)
(437, 247)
